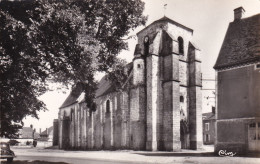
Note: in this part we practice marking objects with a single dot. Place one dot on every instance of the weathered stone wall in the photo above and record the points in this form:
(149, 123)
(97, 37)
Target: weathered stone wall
(118, 123)
(237, 106)
(152, 62)
(195, 104)
(238, 89)
(232, 136)
(64, 127)
(124, 106)
(55, 132)
(146, 115)
(186, 35)
(137, 118)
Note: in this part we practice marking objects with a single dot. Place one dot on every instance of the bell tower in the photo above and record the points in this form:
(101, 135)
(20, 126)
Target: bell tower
(138, 102)
(138, 66)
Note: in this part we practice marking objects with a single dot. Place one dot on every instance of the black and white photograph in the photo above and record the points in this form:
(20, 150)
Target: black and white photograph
(130, 81)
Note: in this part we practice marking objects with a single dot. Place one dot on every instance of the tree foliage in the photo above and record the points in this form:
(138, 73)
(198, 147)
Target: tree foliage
(57, 41)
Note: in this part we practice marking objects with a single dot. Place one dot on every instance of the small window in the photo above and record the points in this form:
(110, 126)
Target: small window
(252, 125)
(257, 66)
(207, 137)
(181, 99)
(181, 49)
(108, 106)
(138, 65)
(206, 126)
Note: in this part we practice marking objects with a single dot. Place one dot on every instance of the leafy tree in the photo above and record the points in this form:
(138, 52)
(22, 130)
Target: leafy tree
(55, 41)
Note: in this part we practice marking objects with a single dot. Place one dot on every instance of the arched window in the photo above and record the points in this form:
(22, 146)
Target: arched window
(146, 45)
(181, 99)
(108, 106)
(180, 40)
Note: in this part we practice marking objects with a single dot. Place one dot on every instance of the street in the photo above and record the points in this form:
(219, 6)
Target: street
(30, 155)
(58, 160)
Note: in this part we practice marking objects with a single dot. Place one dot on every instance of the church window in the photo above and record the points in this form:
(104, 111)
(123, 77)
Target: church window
(108, 106)
(180, 40)
(206, 126)
(181, 99)
(146, 45)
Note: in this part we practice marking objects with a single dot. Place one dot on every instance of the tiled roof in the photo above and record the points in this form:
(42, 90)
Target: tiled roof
(241, 44)
(26, 132)
(208, 116)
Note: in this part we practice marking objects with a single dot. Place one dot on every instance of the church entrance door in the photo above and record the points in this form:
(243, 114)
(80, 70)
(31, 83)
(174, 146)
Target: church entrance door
(184, 135)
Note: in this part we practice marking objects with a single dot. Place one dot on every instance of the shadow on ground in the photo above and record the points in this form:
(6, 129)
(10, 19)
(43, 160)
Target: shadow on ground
(31, 162)
(170, 154)
(186, 154)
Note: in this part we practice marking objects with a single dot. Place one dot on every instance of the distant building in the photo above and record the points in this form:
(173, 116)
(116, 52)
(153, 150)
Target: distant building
(46, 138)
(238, 86)
(27, 135)
(209, 121)
(159, 107)
(46, 135)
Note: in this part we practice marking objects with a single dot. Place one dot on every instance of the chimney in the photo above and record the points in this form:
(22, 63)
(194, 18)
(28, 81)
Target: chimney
(213, 109)
(238, 13)
(47, 131)
(40, 130)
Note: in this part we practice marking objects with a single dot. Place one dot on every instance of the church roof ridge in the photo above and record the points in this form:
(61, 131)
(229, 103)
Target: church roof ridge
(166, 19)
(104, 86)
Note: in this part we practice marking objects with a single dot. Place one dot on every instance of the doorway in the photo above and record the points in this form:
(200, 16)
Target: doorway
(254, 136)
(184, 135)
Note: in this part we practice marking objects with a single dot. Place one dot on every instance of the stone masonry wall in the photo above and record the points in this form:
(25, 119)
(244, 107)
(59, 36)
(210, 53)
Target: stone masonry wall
(146, 114)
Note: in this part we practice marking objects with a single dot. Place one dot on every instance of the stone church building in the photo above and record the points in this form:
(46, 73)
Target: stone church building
(238, 86)
(159, 107)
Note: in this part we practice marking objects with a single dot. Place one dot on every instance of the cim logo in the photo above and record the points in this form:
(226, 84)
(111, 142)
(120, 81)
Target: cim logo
(224, 153)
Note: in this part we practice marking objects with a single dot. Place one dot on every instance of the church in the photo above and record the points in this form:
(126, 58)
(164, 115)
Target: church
(159, 107)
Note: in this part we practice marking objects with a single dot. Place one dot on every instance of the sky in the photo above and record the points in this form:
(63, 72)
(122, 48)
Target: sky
(208, 18)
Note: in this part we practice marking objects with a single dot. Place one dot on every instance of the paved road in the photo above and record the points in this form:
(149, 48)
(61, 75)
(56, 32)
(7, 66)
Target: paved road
(53, 156)
(58, 160)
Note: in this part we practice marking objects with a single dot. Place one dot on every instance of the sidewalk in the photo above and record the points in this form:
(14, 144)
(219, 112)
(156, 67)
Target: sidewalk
(186, 156)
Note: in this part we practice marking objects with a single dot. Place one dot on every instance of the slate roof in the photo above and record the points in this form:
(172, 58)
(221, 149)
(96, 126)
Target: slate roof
(73, 96)
(209, 116)
(104, 87)
(241, 44)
